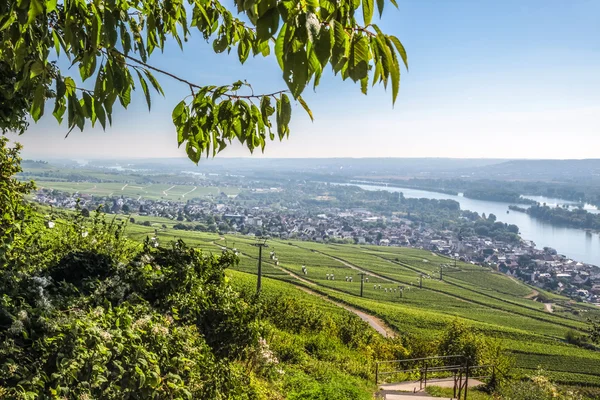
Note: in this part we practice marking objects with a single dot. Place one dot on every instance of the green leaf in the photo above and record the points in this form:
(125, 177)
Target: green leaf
(312, 4)
(100, 113)
(322, 46)
(61, 88)
(284, 113)
(367, 6)
(88, 106)
(279, 44)
(267, 25)
(36, 7)
(125, 97)
(87, 67)
(59, 110)
(57, 42)
(243, 50)
(36, 69)
(145, 89)
(266, 109)
(380, 4)
(50, 6)
(265, 5)
(364, 84)
(220, 44)
(358, 62)
(178, 111)
(386, 58)
(400, 49)
(154, 82)
(110, 30)
(286, 109)
(340, 47)
(377, 73)
(69, 85)
(296, 72)
(305, 106)
(37, 106)
(9, 21)
(394, 73)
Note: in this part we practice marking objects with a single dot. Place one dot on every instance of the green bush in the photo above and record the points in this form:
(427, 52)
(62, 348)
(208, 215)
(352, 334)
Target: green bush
(536, 387)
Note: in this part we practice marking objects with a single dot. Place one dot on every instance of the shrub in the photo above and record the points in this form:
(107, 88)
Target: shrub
(536, 387)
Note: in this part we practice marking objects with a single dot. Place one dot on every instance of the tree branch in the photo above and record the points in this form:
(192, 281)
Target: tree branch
(192, 85)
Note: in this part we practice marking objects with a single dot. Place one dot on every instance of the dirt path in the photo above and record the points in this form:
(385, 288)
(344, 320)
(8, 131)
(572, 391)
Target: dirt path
(549, 307)
(165, 191)
(534, 293)
(374, 322)
(374, 274)
(195, 187)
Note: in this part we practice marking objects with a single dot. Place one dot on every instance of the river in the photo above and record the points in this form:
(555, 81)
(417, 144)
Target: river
(574, 243)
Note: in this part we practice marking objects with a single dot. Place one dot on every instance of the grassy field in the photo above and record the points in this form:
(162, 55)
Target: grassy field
(134, 190)
(488, 301)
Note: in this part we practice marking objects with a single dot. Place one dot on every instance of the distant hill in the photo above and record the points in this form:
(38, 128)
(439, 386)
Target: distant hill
(547, 170)
(368, 168)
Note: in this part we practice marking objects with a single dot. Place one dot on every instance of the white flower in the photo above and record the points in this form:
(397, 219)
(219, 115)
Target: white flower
(160, 330)
(142, 322)
(106, 336)
(50, 224)
(84, 234)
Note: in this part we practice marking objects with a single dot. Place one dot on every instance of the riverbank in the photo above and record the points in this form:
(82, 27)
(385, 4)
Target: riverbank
(576, 244)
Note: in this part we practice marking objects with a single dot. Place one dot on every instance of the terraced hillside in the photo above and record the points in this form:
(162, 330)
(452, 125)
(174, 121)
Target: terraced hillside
(492, 303)
(135, 190)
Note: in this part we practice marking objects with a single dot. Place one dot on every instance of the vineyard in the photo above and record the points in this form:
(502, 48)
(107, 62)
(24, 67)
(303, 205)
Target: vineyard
(403, 288)
(135, 190)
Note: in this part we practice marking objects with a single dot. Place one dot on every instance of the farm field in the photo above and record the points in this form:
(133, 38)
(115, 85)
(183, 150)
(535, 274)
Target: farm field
(488, 301)
(135, 190)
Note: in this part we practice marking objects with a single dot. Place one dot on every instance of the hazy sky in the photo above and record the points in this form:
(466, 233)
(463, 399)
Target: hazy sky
(498, 79)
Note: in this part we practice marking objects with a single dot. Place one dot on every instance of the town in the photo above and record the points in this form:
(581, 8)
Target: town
(320, 213)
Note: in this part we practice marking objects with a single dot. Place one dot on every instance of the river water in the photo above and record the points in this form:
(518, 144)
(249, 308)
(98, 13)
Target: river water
(574, 243)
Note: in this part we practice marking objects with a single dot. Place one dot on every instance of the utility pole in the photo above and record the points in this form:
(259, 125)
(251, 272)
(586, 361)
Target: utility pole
(362, 281)
(441, 273)
(421, 281)
(259, 280)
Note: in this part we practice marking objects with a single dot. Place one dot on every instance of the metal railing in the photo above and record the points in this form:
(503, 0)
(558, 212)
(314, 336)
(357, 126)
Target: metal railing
(455, 368)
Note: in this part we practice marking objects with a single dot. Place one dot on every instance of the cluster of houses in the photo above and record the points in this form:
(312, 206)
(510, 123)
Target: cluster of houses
(544, 268)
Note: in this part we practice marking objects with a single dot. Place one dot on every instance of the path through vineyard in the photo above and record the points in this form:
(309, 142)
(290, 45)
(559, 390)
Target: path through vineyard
(374, 322)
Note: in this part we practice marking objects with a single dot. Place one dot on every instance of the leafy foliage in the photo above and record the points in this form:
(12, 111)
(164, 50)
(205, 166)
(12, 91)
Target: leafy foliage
(536, 387)
(111, 43)
(164, 325)
(14, 213)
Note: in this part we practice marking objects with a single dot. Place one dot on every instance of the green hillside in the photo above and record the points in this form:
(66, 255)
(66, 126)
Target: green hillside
(135, 190)
(491, 303)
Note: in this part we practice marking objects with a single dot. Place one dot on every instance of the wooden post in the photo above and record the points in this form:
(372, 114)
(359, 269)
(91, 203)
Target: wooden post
(460, 372)
(362, 281)
(259, 280)
(454, 378)
(467, 380)
(376, 373)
